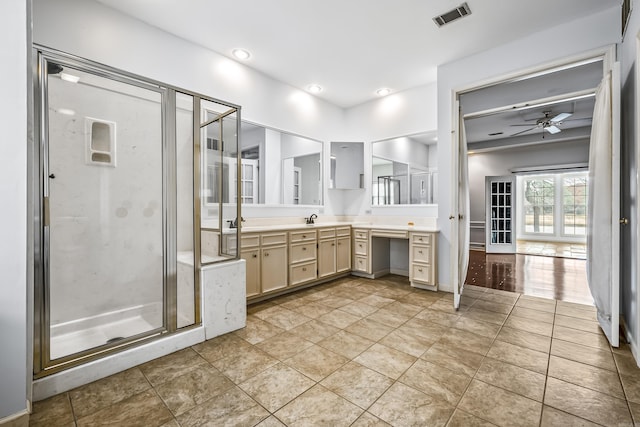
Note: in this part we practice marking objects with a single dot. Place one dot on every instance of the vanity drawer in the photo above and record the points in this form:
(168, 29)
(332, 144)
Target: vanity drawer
(421, 273)
(273, 238)
(326, 233)
(302, 252)
(250, 240)
(360, 263)
(302, 236)
(302, 273)
(361, 234)
(343, 231)
(421, 239)
(393, 234)
(421, 254)
(361, 247)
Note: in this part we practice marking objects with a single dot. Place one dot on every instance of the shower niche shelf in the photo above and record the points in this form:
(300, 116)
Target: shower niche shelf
(100, 142)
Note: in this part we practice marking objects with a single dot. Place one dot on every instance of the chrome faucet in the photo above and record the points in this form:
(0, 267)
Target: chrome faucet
(311, 219)
(234, 223)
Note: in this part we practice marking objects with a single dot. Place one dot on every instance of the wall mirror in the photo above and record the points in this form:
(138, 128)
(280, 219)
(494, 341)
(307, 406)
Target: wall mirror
(347, 165)
(404, 170)
(279, 168)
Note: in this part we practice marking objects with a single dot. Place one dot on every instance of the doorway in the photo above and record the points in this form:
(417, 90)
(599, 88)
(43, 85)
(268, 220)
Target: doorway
(519, 94)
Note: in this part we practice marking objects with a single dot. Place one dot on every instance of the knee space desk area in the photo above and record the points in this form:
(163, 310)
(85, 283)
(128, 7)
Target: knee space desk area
(376, 247)
(283, 258)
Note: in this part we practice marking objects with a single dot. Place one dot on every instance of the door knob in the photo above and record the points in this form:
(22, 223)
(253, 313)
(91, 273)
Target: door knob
(451, 216)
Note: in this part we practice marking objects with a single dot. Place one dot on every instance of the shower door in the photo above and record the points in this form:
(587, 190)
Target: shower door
(104, 226)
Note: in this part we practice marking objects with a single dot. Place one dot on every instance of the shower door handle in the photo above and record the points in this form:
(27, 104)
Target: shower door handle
(45, 211)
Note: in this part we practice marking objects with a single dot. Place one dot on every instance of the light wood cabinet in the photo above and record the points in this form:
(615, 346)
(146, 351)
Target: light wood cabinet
(252, 257)
(250, 252)
(274, 268)
(302, 257)
(326, 257)
(334, 251)
(266, 262)
(422, 260)
(343, 254)
(361, 250)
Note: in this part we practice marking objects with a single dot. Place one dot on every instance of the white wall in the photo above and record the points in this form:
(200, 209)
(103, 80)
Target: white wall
(399, 114)
(15, 356)
(629, 182)
(94, 31)
(579, 36)
(500, 162)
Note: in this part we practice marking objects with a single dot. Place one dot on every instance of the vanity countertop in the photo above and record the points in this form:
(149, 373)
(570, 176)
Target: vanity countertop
(422, 228)
(283, 227)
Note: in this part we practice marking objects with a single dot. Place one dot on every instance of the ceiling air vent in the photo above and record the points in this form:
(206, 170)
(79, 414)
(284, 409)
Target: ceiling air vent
(458, 12)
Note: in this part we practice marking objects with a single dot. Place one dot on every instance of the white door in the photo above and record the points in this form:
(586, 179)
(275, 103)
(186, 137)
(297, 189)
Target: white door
(500, 201)
(460, 207)
(603, 230)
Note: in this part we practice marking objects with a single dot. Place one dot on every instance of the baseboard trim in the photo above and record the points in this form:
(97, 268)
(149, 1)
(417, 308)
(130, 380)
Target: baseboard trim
(17, 419)
(633, 345)
(399, 272)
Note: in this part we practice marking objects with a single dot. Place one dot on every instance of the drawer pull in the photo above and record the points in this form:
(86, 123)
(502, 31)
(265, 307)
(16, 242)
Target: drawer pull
(266, 254)
(419, 252)
(304, 248)
(255, 256)
(304, 268)
(420, 238)
(304, 236)
(420, 270)
(333, 244)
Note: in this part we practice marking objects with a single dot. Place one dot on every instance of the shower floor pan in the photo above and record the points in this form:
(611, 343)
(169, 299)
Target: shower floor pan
(83, 334)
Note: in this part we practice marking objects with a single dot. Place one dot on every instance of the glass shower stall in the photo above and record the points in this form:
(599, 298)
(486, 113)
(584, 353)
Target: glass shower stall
(129, 202)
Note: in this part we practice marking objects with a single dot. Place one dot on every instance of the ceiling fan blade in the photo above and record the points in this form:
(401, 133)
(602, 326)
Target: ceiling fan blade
(552, 129)
(526, 130)
(560, 117)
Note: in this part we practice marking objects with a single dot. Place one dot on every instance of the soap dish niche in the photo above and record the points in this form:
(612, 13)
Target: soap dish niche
(100, 142)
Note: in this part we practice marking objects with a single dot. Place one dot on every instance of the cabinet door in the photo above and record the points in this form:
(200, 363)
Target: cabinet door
(326, 257)
(252, 256)
(274, 268)
(343, 254)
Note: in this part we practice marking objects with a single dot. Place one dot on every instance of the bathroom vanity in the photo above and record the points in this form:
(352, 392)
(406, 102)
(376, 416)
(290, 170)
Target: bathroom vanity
(280, 259)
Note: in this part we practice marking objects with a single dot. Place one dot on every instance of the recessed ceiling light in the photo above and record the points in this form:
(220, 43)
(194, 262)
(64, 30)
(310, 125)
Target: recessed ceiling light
(383, 92)
(314, 88)
(241, 54)
(69, 78)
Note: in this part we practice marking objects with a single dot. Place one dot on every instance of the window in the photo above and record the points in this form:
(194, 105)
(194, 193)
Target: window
(539, 204)
(553, 206)
(574, 205)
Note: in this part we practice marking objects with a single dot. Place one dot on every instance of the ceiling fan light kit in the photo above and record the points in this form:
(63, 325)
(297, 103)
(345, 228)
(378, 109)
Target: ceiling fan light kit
(547, 123)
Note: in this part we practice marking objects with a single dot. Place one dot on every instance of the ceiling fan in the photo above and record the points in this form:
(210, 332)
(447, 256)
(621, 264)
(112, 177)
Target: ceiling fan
(547, 123)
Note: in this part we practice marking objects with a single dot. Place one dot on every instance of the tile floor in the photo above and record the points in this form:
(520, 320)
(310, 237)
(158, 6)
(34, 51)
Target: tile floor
(375, 353)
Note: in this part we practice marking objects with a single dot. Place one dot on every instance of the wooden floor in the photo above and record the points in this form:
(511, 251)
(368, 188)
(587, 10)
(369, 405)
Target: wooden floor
(563, 279)
(555, 249)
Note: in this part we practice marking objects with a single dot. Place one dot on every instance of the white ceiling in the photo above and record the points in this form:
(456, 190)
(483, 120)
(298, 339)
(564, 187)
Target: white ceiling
(353, 47)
